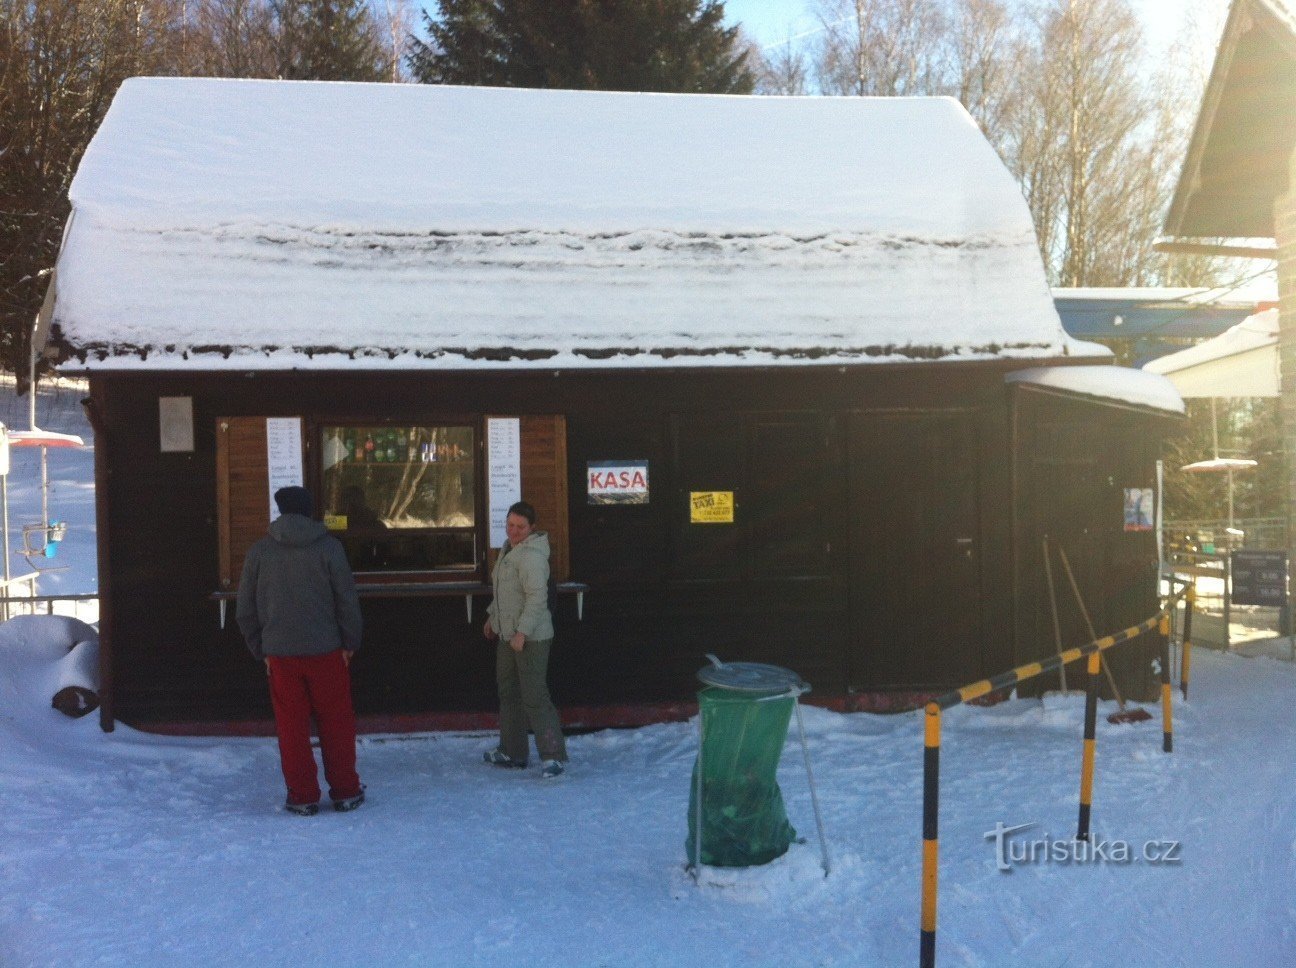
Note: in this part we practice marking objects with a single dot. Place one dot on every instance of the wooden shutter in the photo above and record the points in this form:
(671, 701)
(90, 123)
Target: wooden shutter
(544, 484)
(242, 491)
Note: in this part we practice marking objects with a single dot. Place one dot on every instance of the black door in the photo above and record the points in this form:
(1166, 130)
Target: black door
(915, 564)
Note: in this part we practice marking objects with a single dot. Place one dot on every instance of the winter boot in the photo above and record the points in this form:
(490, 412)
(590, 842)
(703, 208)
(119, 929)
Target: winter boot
(350, 803)
(497, 757)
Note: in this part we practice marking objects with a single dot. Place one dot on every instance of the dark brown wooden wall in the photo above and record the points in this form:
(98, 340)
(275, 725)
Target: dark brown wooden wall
(780, 585)
(1076, 461)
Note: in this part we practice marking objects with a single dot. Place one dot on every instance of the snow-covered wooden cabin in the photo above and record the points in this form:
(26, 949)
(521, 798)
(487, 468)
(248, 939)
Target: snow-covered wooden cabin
(817, 329)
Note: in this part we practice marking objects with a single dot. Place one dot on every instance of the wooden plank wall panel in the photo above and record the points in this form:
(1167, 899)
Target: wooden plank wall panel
(544, 483)
(242, 496)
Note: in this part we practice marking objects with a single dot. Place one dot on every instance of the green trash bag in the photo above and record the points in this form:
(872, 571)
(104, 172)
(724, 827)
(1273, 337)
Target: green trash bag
(744, 822)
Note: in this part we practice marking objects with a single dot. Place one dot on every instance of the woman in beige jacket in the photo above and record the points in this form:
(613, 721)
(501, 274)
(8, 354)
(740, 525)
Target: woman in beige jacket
(518, 621)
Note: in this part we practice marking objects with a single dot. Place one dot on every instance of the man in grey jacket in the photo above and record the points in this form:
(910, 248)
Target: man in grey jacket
(299, 612)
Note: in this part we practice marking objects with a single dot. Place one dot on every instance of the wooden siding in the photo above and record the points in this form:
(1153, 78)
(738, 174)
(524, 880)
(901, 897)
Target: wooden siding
(777, 586)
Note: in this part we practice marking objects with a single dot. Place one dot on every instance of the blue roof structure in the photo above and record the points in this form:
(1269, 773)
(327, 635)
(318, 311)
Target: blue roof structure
(1151, 322)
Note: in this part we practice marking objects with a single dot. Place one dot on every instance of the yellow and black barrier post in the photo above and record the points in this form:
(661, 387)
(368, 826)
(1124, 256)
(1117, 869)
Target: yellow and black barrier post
(1186, 662)
(931, 811)
(1167, 713)
(1006, 680)
(1090, 732)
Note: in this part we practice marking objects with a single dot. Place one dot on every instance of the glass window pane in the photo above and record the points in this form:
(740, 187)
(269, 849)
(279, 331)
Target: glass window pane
(388, 489)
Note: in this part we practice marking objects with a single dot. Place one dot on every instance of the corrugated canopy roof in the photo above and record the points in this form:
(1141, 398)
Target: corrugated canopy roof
(271, 224)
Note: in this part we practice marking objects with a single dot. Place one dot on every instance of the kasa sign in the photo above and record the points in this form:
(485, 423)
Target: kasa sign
(617, 481)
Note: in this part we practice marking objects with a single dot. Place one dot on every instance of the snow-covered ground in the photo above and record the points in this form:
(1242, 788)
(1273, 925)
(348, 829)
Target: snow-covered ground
(127, 849)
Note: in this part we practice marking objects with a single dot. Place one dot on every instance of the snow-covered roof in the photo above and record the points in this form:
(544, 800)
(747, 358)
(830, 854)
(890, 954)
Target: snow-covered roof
(271, 224)
(1243, 361)
(1117, 383)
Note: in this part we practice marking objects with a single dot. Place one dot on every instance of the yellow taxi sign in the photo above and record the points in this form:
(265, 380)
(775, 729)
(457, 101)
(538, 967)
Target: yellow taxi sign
(711, 507)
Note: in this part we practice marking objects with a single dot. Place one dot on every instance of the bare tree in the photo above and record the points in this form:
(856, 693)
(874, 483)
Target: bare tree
(1077, 140)
(395, 20)
(780, 68)
(984, 59)
(233, 38)
(881, 47)
(61, 62)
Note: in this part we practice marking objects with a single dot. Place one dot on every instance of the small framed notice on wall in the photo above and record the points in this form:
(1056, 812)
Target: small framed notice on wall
(617, 481)
(1139, 509)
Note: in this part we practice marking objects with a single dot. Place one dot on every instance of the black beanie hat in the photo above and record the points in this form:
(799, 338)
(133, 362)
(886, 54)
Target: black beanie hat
(294, 500)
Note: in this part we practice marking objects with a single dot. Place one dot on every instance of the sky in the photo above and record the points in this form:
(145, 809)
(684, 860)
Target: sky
(772, 21)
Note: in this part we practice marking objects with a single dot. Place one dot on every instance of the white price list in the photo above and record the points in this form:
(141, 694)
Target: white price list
(284, 455)
(503, 471)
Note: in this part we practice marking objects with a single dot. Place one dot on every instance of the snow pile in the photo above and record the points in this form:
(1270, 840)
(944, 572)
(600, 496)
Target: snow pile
(41, 656)
(151, 850)
(259, 224)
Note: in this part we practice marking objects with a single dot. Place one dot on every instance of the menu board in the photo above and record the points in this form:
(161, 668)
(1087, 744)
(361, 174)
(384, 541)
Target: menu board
(1259, 578)
(503, 472)
(284, 455)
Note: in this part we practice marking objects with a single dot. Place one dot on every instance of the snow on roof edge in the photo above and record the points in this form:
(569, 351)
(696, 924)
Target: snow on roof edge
(1106, 383)
(218, 359)
(1256, 332)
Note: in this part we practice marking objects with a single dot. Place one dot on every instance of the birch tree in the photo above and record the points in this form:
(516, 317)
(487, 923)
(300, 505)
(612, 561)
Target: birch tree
(881, 47)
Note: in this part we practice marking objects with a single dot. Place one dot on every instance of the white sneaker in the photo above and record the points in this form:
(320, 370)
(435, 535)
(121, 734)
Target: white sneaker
(550, 769)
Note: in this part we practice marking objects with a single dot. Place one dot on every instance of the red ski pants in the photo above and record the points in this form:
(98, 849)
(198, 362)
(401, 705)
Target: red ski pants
(302, 685)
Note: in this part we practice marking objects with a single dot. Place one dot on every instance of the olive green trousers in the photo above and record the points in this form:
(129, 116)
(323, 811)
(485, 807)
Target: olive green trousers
(525, 703)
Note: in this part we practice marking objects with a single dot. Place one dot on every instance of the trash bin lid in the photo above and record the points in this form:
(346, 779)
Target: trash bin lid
(751, 677)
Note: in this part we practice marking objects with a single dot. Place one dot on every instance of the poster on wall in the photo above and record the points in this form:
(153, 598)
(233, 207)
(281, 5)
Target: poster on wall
(283, 455)
(617, 481)
(503, 472)
(1139, 509)
(711, 507)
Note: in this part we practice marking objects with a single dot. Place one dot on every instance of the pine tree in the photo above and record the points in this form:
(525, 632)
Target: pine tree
(328, 40)
(623, 45)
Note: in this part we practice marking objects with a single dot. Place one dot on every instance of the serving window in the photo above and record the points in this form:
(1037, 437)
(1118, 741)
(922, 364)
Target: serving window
(401, 498)
(408, 501)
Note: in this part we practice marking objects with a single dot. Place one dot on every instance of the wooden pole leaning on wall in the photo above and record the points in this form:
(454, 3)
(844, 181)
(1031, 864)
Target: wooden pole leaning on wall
(930, 817)
(1167, 714)
(1087, 763)
(1185, 663)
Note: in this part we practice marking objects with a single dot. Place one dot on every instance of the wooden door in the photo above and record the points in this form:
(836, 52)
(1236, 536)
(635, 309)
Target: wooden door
(913, 521)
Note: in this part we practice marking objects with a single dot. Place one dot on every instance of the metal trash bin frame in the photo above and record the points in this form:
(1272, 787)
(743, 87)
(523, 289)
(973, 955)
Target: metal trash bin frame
(777, 683)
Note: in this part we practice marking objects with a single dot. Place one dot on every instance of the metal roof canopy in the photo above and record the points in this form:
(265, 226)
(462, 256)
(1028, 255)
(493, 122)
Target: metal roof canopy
(1133, 313)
